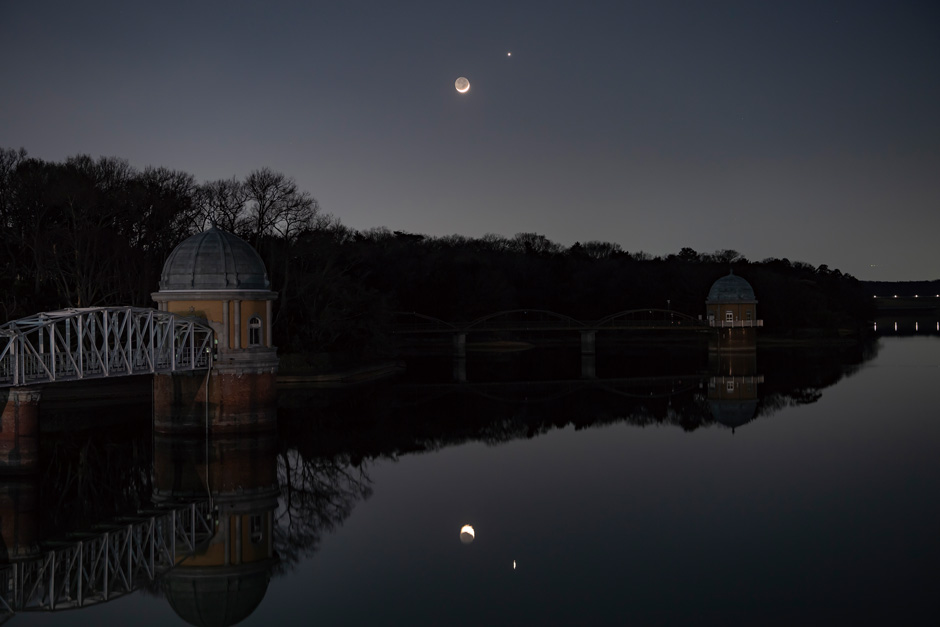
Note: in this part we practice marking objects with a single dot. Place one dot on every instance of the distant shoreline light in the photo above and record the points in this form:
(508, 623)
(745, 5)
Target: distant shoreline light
(896, 296)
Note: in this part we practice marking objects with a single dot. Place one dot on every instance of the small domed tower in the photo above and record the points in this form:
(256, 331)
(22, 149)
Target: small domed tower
(731, 303)
(731, 307)
(218, 276)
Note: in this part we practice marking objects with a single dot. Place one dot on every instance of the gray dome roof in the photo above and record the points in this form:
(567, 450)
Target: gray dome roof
(731, 289)
(214, 260)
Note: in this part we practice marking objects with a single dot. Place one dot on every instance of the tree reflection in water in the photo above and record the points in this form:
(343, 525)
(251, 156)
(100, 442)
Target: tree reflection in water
(317, 495)
(93, 476)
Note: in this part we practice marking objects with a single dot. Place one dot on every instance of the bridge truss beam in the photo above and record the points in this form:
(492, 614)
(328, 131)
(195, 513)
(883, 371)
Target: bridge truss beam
(98, 342)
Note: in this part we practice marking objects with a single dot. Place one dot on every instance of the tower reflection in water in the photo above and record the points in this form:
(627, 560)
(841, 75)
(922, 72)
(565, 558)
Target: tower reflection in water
(732, 381)
(228, 577)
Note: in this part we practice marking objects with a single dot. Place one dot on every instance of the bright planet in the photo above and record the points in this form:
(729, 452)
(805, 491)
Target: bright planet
(462, 85)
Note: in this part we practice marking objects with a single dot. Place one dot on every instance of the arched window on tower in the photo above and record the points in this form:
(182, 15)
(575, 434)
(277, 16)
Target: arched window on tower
(254, 331)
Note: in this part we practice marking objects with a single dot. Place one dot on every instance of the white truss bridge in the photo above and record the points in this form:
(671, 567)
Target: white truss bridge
(101, 566)
(98, 342)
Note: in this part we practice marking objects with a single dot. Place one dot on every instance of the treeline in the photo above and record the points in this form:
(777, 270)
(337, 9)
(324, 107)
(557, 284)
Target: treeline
(89, 232)
(458, 278)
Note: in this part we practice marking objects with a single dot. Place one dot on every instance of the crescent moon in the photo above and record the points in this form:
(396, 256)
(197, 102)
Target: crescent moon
(467, 534)
(462, 85)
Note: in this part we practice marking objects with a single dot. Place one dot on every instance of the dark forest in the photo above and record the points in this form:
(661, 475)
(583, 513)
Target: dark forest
(91, 232)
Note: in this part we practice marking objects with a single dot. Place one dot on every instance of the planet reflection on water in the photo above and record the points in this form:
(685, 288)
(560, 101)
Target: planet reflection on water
(467, 534)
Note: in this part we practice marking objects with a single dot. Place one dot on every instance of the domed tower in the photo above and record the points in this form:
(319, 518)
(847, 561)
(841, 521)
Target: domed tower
(731, 307)
(731, 303)
(218, 276)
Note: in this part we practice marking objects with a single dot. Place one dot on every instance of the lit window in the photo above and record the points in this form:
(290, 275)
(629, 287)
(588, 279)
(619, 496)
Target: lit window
(254, 331)
(729, 316)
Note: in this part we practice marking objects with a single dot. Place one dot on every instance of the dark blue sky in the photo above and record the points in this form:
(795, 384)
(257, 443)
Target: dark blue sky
(807, 130)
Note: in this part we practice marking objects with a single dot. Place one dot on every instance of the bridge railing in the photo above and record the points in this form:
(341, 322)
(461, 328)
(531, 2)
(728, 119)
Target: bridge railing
(100, 342)
(734, 324)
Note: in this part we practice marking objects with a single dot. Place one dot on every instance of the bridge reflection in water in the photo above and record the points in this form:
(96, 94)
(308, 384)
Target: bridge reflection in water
(89, 568)
(199, 523)
(907, 324)
(716, 385)
(204, 534)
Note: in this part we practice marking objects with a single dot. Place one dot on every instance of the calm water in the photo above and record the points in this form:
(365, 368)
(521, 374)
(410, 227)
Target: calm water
(788, 487)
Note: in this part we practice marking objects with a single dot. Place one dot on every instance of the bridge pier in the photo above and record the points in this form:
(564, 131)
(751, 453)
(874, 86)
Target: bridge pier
(460, 369)
(232, 402)
(588, 367)
(19, 430)
(19, 517)
(733, 339)
(588, 342)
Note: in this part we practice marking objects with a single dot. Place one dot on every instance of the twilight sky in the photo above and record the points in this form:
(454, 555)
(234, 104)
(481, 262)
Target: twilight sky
(800, 129)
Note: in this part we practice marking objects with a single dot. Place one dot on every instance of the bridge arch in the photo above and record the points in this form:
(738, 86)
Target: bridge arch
(99, 342)
(525, 319)
(412, 321)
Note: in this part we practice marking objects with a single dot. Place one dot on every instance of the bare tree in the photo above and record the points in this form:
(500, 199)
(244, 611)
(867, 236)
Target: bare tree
(535, 244)
(727, 256)
(276, 207)
(600, 250)
(222, 202)
(88, 246)
(10, 159)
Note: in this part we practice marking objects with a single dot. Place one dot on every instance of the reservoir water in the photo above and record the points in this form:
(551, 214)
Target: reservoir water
(666, 486)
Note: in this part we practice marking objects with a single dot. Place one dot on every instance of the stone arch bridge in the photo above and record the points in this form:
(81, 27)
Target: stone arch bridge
(545, 321)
